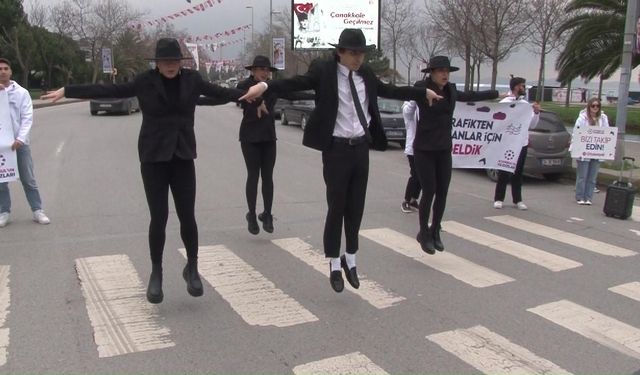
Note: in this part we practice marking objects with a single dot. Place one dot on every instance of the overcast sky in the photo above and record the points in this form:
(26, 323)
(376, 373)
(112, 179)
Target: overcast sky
(233, 13)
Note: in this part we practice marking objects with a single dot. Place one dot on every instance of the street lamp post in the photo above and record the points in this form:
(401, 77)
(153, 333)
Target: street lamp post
(250, 7)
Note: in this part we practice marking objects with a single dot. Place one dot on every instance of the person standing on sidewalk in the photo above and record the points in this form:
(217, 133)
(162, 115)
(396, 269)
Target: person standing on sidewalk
(21, 109)
(412, 191)
(587, 169)
(518, 92)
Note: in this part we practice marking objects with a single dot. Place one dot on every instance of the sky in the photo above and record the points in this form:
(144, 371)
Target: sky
(229, 14)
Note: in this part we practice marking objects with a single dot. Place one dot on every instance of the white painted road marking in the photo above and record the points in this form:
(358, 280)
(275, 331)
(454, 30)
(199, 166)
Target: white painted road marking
(369, 290)
(5, 301)
(250, 294)
(353, 363)
(460, 268)
(122, 319)
(631, 290)
(492, 353)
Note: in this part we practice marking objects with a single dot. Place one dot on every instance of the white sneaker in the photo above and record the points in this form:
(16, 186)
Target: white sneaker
(588, 202)
(497, 205)
(40, 218)
(580, 202)
(4, 219)
(596, 190)
(521, 206)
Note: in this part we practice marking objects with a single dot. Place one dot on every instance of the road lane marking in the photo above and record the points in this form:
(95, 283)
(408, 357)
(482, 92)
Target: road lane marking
(562, 236)
(530, 254)
(250, 294)
(122, 319)
(593, 325)
(352, 363)
(493, 354)
(631, 290)
(5, 302)
(59, 148)
(369, 290)
(445, 262)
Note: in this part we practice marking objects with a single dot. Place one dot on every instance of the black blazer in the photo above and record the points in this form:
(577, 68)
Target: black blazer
(322, 77)
(167, 128)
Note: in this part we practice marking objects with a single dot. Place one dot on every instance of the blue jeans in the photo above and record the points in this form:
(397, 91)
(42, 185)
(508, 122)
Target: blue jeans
(586, 174)
(28, 179)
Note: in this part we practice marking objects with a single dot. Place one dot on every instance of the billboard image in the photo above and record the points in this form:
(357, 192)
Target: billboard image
(316, 24)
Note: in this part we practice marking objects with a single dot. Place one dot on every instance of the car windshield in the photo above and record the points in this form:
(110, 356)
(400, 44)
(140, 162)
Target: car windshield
(549, 123)
(390, 105)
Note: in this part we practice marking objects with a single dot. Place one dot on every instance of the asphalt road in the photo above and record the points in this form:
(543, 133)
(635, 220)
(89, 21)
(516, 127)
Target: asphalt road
(515, 291)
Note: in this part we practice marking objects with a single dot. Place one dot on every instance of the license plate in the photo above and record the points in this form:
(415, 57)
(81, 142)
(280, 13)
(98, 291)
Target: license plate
(105, 105)
(394, 133)
(551, 161)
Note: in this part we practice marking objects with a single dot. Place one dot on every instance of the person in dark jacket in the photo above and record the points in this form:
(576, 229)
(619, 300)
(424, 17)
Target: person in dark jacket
(432, 147)
(166, 148)
(258, 141)
(344, 125)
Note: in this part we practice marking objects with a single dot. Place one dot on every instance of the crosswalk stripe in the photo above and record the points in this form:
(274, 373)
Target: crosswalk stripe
(352, 363)
(460, 268)
(493, 354)
(631, 290)
(5, 301)
(369, 290)
(562, 236)
(592, 325)
(525, 252)
(123, 321)
(250, 294)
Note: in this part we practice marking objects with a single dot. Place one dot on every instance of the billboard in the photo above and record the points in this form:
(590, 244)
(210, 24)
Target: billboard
(107, 61)
(315, 24)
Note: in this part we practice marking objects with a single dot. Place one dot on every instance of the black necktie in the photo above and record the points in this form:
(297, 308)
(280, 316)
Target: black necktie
(359, 111)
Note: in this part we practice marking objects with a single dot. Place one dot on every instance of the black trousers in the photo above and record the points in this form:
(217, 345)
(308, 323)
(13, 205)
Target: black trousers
(260, 158)
(434, 172)
(516, 180)
(412, 191)
(180, 176)
(346, 172)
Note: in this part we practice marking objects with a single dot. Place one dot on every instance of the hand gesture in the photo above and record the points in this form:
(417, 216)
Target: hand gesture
(54, 95)
(536, 107)
(16, 145)
(254, 92)
(262, 109)
(431, 96)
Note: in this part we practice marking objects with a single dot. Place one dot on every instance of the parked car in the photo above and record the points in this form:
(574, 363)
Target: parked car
(298, 112)
(392, 120)
(548, 152)
(114, 105)
(279, 106)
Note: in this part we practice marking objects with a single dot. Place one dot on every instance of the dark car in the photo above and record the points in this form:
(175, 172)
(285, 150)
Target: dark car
(279, 106)
(114, 105)
(298, 112)
(392, 120)
(548, 152)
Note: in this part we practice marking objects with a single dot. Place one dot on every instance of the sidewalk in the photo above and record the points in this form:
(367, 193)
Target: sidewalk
(632, 149)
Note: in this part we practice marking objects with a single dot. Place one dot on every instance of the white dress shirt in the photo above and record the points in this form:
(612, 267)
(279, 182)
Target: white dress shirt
(21, 111)
(347, 122)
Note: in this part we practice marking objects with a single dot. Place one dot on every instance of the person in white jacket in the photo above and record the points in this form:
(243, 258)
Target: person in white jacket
(517, 94)
(412, 191)
(21, 110)
(587, 169)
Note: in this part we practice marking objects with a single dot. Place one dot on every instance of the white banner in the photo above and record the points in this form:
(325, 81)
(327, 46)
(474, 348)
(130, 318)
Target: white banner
(107, 61)
(193, 50)
(8, 162)
(278, 53)
(594, 142)
(489, 135)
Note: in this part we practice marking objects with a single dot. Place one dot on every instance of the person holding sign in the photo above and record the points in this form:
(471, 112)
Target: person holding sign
(21, 110)
(587, 169)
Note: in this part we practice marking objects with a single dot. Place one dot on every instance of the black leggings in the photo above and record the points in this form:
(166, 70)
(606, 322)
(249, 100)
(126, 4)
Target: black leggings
(412, 191)
(260, 159)
(180, 176)
(434, 173)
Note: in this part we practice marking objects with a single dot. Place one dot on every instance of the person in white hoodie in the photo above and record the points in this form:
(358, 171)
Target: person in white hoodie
(517, 94)
(21, 110)
(412, 191)
(587, 169)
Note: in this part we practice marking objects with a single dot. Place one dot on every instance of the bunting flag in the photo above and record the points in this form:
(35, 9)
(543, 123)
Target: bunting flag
(183, 13)
(222, 34)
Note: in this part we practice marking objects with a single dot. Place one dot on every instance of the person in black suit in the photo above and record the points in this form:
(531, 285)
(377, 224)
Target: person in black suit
(166, 148)
(344, 132)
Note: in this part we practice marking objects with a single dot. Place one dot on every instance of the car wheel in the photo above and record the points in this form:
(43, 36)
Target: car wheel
(283, 118)
(93, 113)
(492, 174)
(552, 176)
(303, 122)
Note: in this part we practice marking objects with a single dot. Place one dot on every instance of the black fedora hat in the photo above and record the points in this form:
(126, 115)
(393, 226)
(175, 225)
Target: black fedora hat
(168, 49)
(261, 62)
(439, 62)
(353, 39)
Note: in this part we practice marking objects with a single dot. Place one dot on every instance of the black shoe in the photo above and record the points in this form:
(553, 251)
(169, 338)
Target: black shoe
(253, 223)
(190, 275)
(437, 242)
(267, 222)
(335, 278)
(154, 290)
(350, 273)
(426, 243)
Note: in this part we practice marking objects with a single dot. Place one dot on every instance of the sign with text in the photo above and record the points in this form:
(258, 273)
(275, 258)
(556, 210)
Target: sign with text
(316, 24)
(107, 61)
(8, 161)
(277, 53)
(594, 142)
(489, 135)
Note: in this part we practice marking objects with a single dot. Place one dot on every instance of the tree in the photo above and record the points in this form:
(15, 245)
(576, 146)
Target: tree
(424, 42)
(397, 22)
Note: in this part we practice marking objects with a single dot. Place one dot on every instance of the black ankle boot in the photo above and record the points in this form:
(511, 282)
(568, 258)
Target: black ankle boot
(253, 223)
(267, 222)
(154, 290)
(437, 242)
(190, 275)
(426, 242)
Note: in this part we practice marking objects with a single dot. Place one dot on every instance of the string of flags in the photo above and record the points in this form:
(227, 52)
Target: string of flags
(183, 13)
(226, 33)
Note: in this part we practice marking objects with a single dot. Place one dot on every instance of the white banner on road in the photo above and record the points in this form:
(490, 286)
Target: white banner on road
(594, 142)
(489, 135)
(8, 161)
